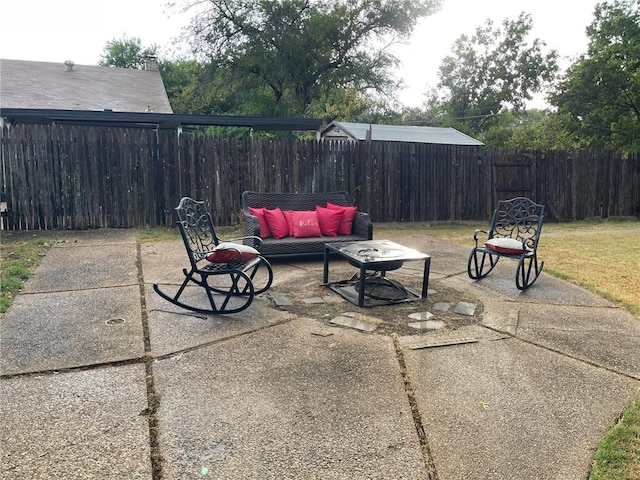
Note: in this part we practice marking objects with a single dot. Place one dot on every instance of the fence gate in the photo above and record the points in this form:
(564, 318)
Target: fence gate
(513, 175)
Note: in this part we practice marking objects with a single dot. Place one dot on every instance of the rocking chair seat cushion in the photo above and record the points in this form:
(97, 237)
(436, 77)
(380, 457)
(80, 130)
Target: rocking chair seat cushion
(505, 245)
(227, 252)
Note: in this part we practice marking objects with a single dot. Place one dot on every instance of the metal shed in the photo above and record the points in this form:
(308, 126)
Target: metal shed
(396, 133)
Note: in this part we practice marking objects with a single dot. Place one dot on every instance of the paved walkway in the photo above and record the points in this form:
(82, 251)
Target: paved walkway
(103, 379)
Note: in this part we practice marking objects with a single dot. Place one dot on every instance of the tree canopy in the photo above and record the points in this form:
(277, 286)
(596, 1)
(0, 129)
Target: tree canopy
(495, 69)
(290, 57)
(126, 53)
(600, 93)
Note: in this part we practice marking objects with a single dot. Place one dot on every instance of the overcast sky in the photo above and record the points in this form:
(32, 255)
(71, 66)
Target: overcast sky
(77, 30)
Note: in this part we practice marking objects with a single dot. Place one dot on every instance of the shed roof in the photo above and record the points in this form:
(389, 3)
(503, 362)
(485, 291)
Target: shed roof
(48, 85)
(402, 133)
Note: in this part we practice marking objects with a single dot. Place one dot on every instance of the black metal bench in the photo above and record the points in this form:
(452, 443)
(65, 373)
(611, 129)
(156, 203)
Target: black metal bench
(514, 233)
(239, 273)
(299, 247)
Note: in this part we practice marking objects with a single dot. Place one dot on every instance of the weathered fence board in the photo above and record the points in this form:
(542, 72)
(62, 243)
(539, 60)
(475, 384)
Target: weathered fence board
(74, 177)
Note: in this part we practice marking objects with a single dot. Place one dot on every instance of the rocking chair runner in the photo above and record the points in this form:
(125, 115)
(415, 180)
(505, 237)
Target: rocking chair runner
(239, 271)
(514, 233)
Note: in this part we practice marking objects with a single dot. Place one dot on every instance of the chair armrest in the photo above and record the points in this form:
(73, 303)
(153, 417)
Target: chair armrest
(362, 225)
(252, 231)
(475, 235)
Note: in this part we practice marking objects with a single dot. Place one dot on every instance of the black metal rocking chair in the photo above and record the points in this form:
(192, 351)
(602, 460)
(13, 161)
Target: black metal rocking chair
(515, 231)
(239, 271)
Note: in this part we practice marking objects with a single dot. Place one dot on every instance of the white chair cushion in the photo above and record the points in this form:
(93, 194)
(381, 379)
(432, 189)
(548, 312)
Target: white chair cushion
(505, 245)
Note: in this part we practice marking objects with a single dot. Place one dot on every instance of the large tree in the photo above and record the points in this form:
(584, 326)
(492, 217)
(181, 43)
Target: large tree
(600, 92)
(126, 53)
(496, 69)
(287, 54)
(192, 89)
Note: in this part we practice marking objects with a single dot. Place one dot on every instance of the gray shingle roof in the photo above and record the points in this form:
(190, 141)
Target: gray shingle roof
(46, 85)
(403, 133)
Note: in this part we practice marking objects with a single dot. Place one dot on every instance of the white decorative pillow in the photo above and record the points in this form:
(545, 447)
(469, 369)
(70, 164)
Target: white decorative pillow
(505, 245)
(227, 252)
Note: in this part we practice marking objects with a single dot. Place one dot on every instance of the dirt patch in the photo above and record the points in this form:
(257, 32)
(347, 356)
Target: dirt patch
(394, 319)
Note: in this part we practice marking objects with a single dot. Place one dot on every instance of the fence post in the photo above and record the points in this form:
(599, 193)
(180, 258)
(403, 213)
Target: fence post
(605, 185)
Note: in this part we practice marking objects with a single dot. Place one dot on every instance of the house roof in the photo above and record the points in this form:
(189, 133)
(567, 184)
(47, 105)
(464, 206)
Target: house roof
(44, 92)
(398, 133)
(64, 86)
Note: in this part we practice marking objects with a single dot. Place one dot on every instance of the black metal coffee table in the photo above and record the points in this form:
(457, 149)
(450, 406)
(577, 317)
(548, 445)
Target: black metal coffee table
(379, 257)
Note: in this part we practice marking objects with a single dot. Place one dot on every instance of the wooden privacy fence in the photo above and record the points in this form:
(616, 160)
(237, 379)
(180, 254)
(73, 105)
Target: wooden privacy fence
(76, 177)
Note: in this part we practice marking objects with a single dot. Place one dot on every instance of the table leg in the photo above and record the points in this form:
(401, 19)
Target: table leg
(425, 277)
(361, 284)
(325, 271)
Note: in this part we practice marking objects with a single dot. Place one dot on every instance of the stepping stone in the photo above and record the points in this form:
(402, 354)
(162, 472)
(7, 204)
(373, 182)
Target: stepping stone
(332, 299)
(280, 299)
(466, 308)
(428, 325)
(358, 321)
(313, 300)
(442, 306)
(421, 316)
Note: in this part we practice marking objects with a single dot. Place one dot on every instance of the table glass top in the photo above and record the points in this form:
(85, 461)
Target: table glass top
(376, 251)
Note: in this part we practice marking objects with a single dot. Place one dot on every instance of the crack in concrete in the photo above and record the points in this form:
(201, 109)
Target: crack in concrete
(576, 330)
(565, 354)
(415, 412)
(153, 398)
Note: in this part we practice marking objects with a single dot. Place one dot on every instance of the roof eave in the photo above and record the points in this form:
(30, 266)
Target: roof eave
(160, 120)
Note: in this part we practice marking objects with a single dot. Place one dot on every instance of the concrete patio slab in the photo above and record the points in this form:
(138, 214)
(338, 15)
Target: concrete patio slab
(600, 335)
(509, 410)
(51, 331)
(85, 266)
(173, 329)
(75, 425)
(288, 403)
(546, 290)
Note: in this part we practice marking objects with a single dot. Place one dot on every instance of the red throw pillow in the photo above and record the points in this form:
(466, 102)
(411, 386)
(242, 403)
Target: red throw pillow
(329, 220)
(348, 214)
(227, 252)
(262, 221)
(277, 223)
(304, 223)
(287, 217)
(505, 245)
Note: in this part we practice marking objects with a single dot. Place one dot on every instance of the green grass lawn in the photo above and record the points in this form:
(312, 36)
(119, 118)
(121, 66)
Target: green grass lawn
(17, 261)
(602, 256)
